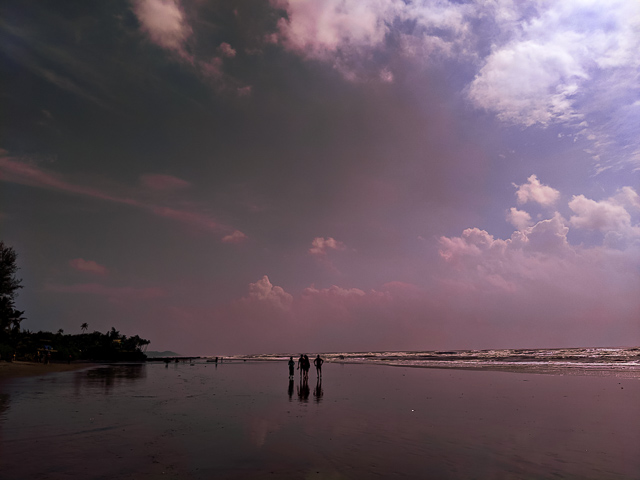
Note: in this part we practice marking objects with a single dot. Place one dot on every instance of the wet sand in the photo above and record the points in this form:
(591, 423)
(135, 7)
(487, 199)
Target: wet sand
(19, 369)
(244, 420)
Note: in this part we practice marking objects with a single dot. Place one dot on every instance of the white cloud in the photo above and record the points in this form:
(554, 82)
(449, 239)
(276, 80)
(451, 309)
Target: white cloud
(534, 191)
(334, 291)
(320, 246)
(603, 216)
(318, 28)
(629, 197)
(529, 82)
(535, 62)
(164, 23)
(345, 33)
(539, 258)
(264, 291)
(541, 73)
(518, 218)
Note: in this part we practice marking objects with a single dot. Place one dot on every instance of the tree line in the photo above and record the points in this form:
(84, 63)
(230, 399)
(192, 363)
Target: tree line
(19, 344)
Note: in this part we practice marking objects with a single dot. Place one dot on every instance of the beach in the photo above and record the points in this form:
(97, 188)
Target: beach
(244, 420)
(18, 369)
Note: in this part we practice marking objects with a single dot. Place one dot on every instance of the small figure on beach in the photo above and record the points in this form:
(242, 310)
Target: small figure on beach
(318, 364)
(292, 366)
(300, 365)
(306, 365)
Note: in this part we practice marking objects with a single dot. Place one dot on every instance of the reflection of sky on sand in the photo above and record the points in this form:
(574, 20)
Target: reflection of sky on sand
(239, 421)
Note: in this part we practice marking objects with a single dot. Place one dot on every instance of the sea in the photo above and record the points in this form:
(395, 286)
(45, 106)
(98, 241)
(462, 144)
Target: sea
(617, 361)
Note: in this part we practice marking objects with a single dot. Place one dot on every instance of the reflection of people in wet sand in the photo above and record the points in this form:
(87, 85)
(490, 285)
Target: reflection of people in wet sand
(303, 391)
(317, 392)
(318, 363)
(290, 390)
(292, 366)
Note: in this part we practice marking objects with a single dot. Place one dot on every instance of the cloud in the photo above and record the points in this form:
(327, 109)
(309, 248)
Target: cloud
(573, 64)
(334, 291)
(88, 266)
(29, 174)
(320, 246)
(163, 183)
(518, 218)
(534, 191)
(604, 216)
(236, 237)
(163, 21)
(627, 196)
(264, 291)
(537, 281)
(529, 82)
(346, 33)
(226, 50)
(166, 25)
(539, 74)
(318, 28)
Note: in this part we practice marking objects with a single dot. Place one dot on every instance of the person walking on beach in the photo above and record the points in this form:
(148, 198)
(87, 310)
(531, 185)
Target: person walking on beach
(306, 365)
(301, 364)
(318, 363)
(292, 366)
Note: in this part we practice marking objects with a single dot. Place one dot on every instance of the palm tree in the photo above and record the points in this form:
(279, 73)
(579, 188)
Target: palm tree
(84, 327)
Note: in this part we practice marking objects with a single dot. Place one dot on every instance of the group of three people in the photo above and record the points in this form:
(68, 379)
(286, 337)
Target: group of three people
(304, 365)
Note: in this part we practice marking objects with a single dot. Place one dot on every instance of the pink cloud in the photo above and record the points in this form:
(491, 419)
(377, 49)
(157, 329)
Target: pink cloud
(534, 191)
(28, 174)
(320, 246)
(88, 266)
(163, 183)
(226, 50)
(236, 237)
(324, 26)
(24, 173)
(163, 21)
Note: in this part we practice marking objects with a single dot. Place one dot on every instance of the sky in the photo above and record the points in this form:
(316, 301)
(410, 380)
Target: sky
(324, 175)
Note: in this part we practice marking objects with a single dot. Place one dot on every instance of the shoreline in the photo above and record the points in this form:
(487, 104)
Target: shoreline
(20, 369)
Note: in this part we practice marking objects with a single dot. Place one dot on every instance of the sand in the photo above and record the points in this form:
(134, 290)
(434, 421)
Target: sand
(244, 420)
(9, 370)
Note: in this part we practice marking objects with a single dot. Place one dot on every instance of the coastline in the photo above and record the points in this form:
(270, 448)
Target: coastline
(19, 369)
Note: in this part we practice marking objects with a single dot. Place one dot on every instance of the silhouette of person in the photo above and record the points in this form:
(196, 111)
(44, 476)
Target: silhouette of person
(292, 366)
(306, 365)
(318, 363)
(301, 364)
